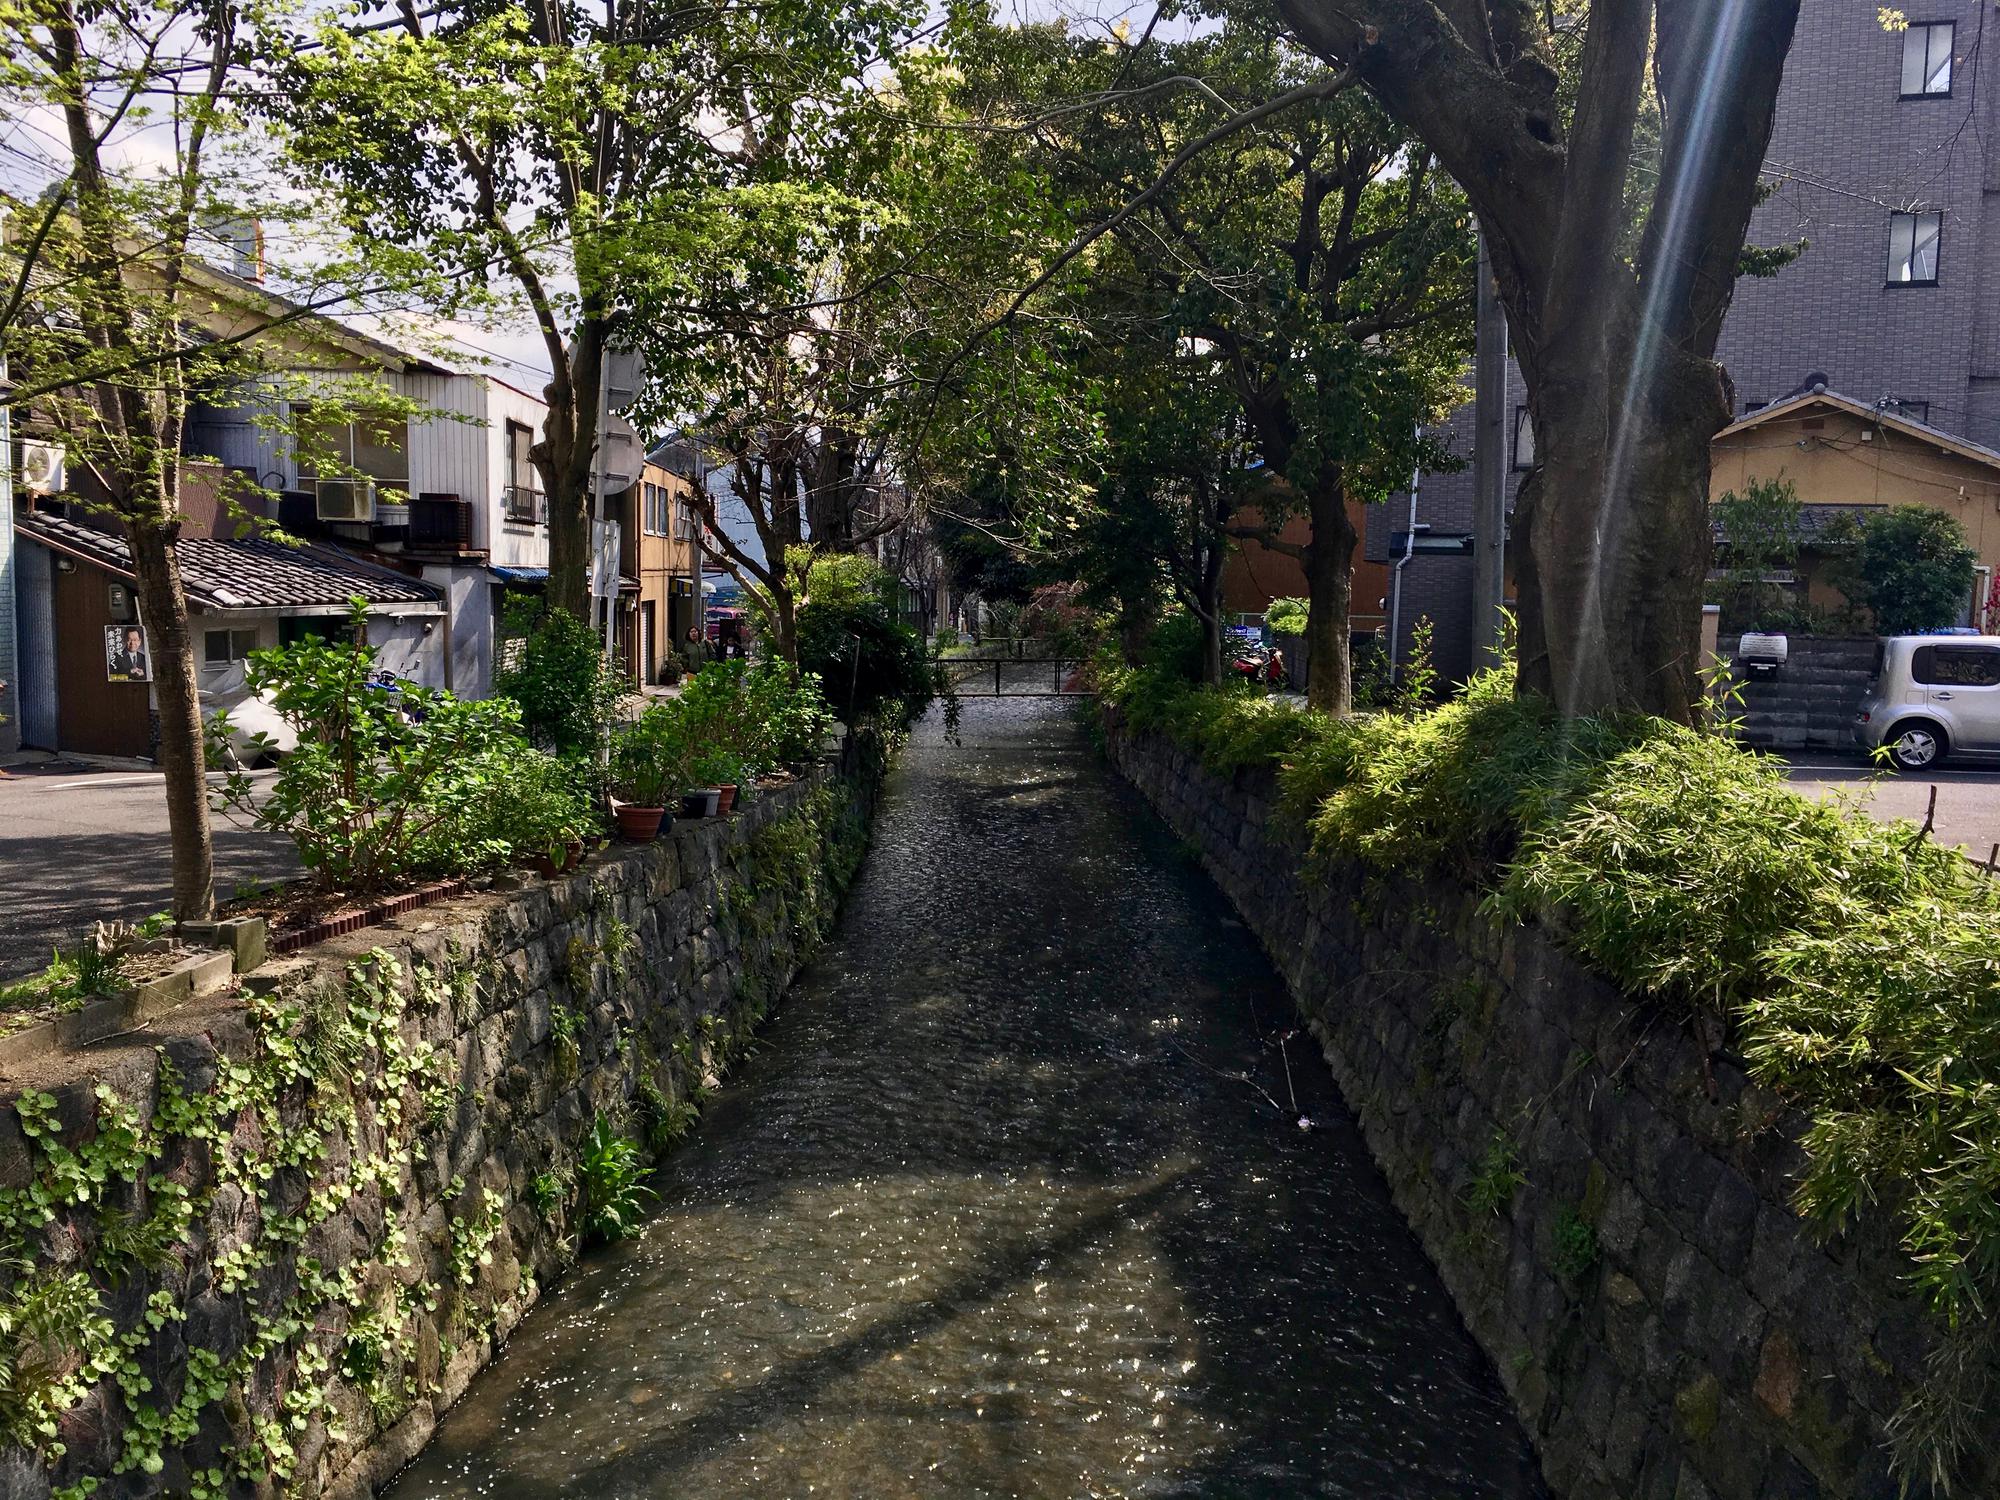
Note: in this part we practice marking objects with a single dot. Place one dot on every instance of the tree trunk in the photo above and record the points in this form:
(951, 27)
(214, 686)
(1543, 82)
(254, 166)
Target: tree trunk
(1616, 346)
(163, 611)
(567, 460)
(1618, 538)
(785, 616)
(1329, 564)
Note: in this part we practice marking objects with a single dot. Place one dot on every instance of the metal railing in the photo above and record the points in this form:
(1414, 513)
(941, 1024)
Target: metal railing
(1010, 681)
(523, 504)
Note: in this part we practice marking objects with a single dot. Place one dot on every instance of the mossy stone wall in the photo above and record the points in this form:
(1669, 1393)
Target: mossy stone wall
(1607, 1197)
(273, 1241)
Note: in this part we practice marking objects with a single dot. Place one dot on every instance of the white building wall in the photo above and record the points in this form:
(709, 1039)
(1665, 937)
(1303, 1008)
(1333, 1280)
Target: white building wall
(512, 545)
(447, 442)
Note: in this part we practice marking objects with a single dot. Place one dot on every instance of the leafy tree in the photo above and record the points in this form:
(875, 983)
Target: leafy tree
(604, 168)
(114, 326)
(1318, 258)
(1916, 569)
(1542, 117)
(836, 388)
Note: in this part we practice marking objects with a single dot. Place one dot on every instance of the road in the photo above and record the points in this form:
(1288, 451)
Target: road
(78, 846)
(1968, 802)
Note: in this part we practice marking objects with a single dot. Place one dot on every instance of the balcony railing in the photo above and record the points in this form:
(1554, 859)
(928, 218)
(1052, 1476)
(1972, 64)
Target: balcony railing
(524, 506)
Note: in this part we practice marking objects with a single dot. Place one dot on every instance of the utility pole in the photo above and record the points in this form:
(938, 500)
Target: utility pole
(1396, 584)
(1489, 463)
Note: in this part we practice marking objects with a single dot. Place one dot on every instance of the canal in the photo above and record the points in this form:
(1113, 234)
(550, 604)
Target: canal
(1013, 1201)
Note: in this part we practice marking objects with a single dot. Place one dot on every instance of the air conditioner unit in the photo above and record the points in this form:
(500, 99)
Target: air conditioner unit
(350, 500)
(42, 467)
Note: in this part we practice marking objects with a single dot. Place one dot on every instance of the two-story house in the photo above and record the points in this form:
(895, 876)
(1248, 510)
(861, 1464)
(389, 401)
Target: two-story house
(660, 571)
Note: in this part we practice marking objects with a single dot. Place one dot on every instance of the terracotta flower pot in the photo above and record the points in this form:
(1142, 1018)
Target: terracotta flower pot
(727, 797)
(639, 824)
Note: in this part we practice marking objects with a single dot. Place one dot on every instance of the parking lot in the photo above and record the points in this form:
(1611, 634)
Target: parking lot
(1968, 802)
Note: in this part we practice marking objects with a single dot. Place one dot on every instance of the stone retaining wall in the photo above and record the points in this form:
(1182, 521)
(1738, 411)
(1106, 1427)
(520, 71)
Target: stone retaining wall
(1606, 1199)
(310, 1213)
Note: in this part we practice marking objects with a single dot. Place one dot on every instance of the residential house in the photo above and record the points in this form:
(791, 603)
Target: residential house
(1848, 457)
(657, 553)
(89, 688)
(1885, 160)
(448, 495)
(1254, 574)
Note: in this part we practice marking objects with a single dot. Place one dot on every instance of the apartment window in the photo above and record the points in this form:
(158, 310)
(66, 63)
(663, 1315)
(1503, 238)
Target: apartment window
(1913, 249)
(1909, 411)
(1750, 406)
(1927, 60)
(222, 648)
(524, 496)
(1524, 439)
(656, 517)
(326, 444)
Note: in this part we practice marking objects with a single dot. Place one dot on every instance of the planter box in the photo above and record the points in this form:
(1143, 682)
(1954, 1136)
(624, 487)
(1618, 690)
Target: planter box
(196, 977)
(353, 921)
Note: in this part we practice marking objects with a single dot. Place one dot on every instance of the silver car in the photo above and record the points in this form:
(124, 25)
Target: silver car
(1933, 696)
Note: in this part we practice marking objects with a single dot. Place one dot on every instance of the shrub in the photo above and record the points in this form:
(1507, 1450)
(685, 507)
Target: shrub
(541, 802)
(1761, 531)
(1057, 616)
(870, 664)
(1915, 569)
(846, 580)
(565, 688)
(382, 787)
(652, 758)
(1288, 616)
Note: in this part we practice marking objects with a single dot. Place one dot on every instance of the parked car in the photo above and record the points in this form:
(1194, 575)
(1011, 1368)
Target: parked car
(1933, 696)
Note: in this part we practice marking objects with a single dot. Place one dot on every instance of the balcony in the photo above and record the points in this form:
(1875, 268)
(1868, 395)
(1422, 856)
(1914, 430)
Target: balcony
(523, 506)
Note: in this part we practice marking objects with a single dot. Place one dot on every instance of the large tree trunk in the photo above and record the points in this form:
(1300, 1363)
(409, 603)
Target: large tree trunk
(567, 460)
(163, 611)
(1616, 347)
(1618, 541)
(1329, 569)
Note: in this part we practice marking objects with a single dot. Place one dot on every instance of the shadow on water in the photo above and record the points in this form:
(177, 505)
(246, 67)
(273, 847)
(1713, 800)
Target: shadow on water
(995, 1211)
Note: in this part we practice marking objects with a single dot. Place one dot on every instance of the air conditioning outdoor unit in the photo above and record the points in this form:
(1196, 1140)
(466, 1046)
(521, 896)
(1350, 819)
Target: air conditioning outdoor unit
(350, 500)
(42, 467)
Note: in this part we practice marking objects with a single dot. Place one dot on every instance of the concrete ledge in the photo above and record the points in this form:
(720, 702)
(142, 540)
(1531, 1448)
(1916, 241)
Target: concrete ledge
(196, 977)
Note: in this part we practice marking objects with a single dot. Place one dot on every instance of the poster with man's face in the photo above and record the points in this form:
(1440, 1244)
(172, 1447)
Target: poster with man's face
(126, 656)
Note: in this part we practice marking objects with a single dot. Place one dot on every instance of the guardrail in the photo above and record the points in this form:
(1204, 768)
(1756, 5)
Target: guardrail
(1026, 684)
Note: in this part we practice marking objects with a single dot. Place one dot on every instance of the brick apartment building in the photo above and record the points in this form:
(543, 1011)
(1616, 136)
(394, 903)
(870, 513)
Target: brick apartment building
(1886, 156)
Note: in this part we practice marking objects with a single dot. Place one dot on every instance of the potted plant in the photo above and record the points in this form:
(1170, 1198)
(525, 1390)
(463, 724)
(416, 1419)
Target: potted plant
(721, 767)
(647, 761)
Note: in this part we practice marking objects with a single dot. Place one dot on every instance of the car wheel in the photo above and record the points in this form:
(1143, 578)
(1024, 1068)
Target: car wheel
(1916, 745)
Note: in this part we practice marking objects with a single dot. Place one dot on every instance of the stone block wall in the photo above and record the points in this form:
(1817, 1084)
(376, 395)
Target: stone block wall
(305, 1217)
(1607, 1198)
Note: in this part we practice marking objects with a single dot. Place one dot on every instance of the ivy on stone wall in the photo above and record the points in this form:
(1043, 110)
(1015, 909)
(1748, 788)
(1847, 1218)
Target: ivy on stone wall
(191, 1290)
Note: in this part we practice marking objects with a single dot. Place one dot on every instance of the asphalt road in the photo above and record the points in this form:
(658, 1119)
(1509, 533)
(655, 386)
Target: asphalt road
(79, 846)
(1968, 802)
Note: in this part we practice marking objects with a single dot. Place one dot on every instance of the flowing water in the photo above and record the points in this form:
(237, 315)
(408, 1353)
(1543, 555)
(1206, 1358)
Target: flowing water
(989, 1214)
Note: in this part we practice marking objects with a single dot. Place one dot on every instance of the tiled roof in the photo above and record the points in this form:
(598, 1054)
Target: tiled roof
(249, 573)
(1813, 519)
